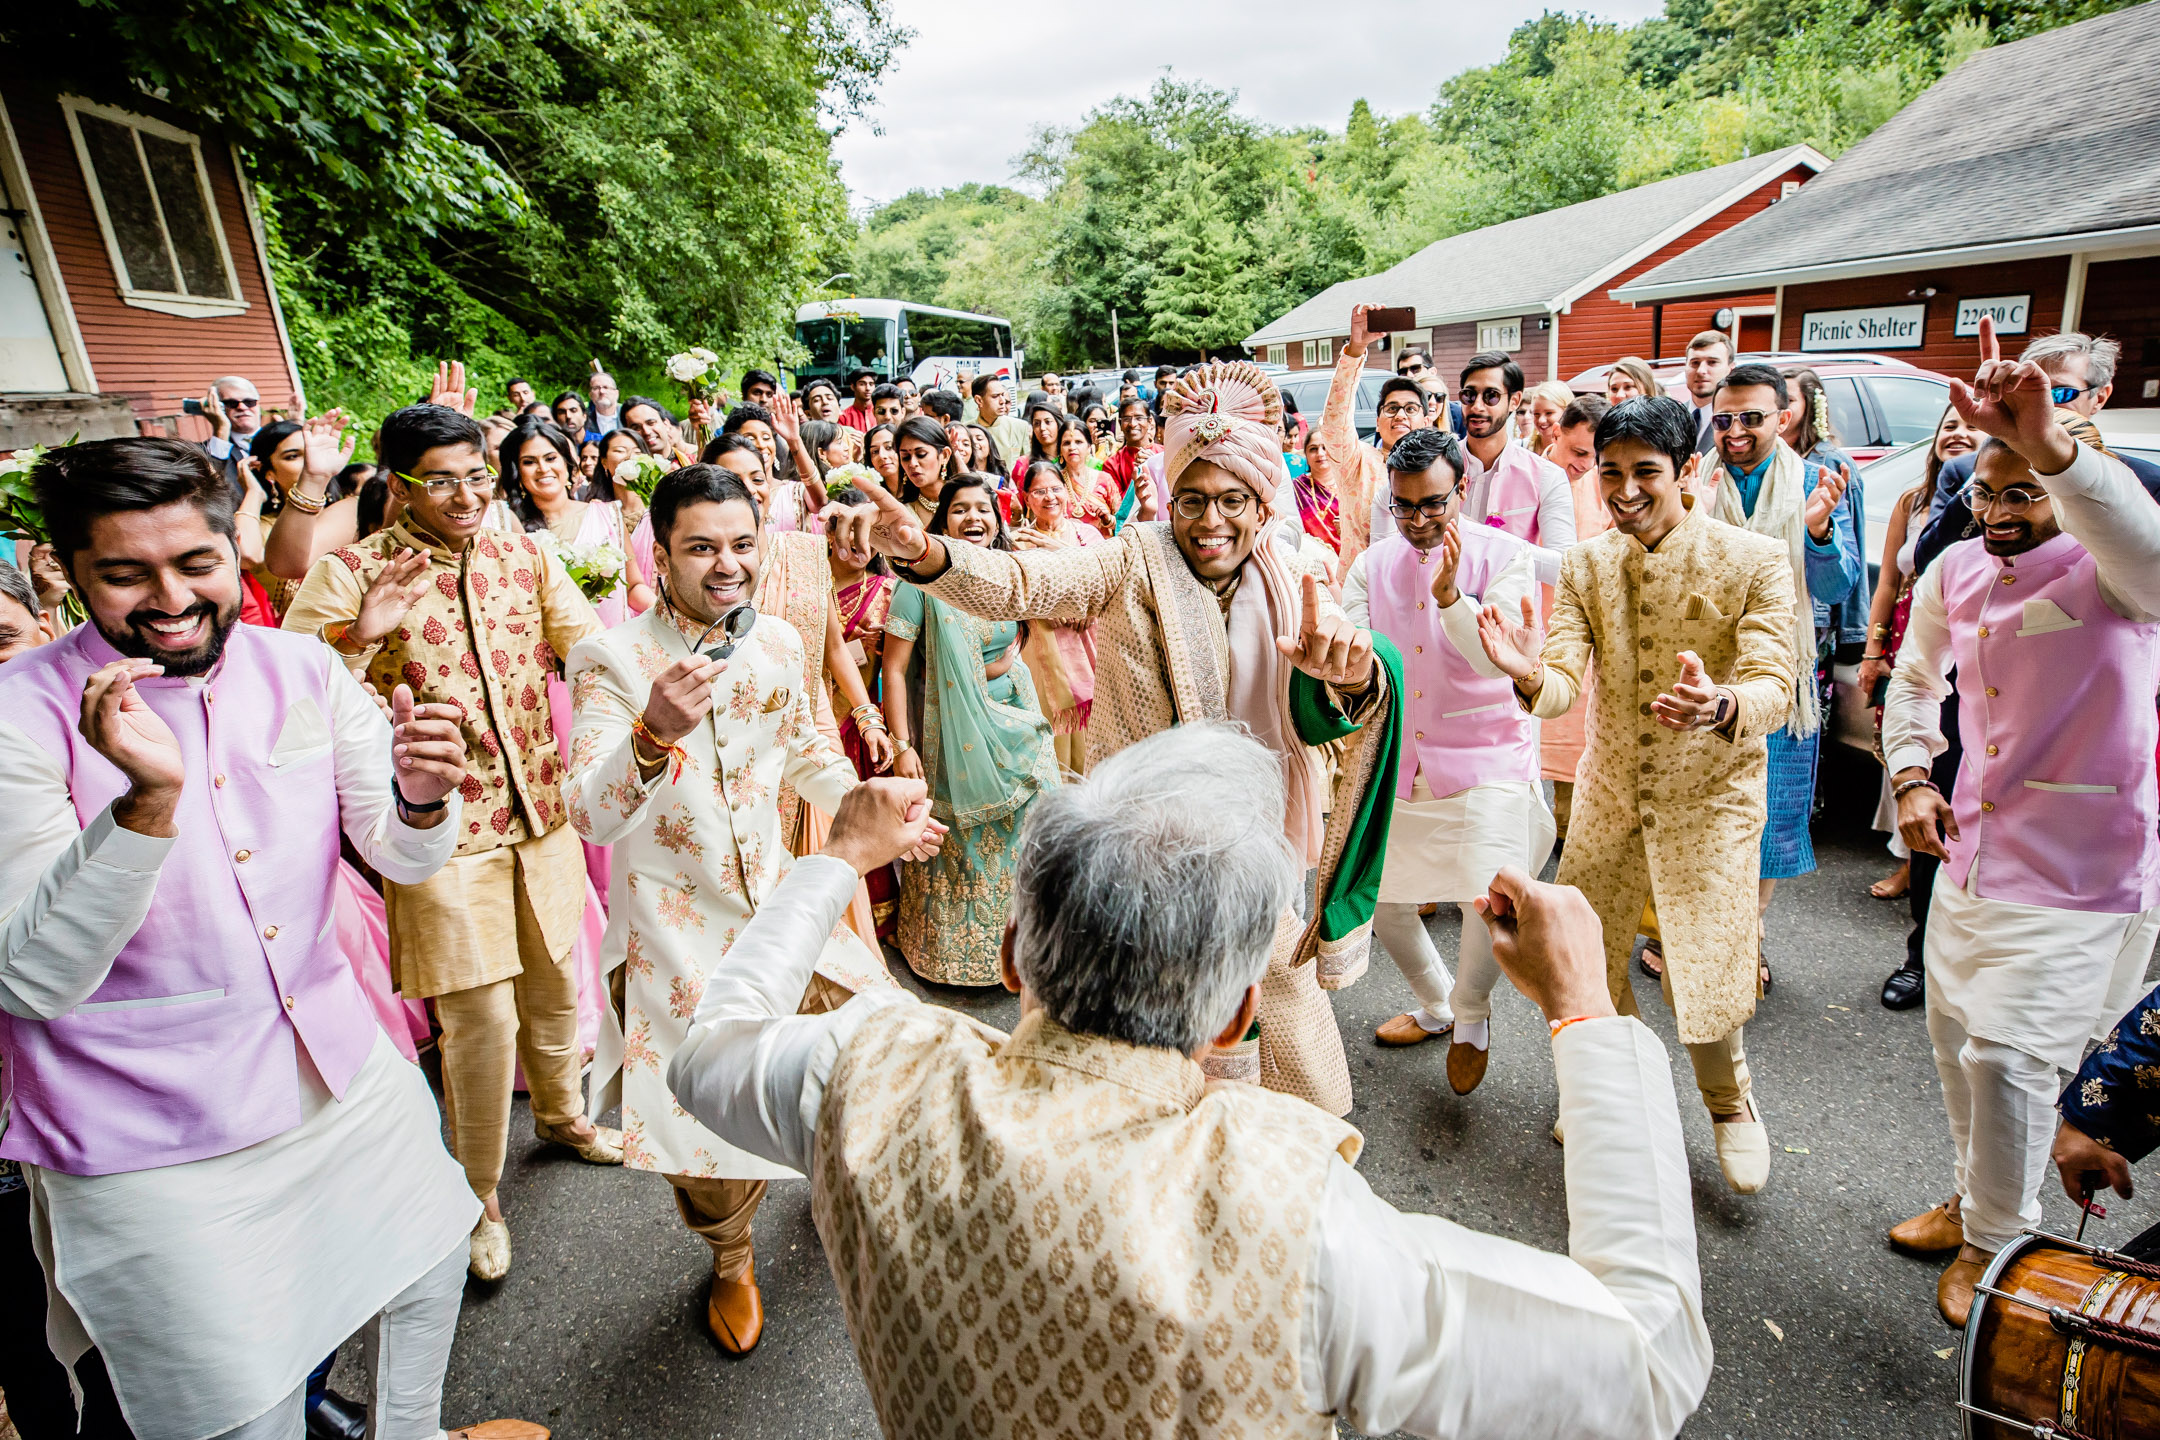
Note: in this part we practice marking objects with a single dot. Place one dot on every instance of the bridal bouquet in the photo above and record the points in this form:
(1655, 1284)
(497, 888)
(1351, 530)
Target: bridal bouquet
(690, 369)
(597, 568)
(641, 473)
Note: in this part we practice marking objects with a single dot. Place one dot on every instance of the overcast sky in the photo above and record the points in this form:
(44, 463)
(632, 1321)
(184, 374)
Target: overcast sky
(962, 97)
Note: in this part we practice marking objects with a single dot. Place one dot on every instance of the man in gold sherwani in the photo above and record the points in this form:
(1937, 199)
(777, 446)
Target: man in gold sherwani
(1686, 624)
(1207, 616)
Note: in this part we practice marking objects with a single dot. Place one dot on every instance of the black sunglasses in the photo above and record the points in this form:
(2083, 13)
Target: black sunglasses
(737, 622)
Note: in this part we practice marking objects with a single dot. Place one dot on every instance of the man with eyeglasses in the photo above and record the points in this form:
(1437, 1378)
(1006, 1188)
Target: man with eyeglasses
(1206, 616)
(2045, 912)
(603, 414)
(474, 620)
(1467, 803)
(1505, 485)
(1765, 486)
(235, 411)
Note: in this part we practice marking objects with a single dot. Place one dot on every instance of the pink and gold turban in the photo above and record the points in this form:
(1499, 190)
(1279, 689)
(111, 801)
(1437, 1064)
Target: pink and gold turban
(1229, 414)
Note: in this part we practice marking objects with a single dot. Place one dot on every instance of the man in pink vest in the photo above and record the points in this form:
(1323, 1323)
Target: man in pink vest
(230, 1167)
(2049, 901)
(1467, 801)
(1506, 486)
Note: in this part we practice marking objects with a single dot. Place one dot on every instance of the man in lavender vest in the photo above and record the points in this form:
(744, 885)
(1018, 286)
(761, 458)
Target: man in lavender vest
(1467, 801)
(230, 1168)
(2049, 900)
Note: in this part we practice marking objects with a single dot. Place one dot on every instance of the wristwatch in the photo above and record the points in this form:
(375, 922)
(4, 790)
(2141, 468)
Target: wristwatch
(1724, 707)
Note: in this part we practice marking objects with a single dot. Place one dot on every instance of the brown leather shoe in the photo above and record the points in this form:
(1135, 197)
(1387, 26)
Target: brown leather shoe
(1954, 1291)
(1404, 1029)
(502, 1430)
(736, 1313)
(1465, 1067)
(1935, 1232)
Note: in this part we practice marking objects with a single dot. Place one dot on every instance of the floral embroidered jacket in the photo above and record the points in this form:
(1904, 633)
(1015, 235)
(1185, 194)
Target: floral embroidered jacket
(697, 849)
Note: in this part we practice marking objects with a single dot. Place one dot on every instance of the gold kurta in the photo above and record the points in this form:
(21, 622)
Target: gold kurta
(1678, 814)
(1162, 656)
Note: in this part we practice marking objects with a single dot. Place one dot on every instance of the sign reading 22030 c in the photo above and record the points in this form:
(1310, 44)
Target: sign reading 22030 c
(1877, 327)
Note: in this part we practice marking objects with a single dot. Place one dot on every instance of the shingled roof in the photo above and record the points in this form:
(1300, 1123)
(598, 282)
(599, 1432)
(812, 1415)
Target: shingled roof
(2040, 147)
(1540, 262)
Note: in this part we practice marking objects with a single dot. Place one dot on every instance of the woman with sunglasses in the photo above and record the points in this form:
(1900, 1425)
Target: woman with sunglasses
(959, 684)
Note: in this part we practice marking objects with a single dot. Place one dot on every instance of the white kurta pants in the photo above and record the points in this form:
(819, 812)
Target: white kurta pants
(2013, 993)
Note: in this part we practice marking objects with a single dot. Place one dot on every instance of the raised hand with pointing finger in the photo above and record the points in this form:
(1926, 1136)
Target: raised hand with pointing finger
(1328, 647)
(2011, 400)
(884, 526)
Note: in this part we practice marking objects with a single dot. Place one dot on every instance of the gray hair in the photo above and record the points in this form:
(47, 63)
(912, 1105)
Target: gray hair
(2100, 354)
(17, 587)
(1145, 897)
(240, 380)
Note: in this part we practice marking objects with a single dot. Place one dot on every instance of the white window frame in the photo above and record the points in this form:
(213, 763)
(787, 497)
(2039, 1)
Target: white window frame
(1311, 353)
(164, 301)
(1488, 339)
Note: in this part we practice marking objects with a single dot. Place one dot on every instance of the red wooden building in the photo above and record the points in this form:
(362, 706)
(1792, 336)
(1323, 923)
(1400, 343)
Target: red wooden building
(1939, 217)
(1540, 287)
(132, 271)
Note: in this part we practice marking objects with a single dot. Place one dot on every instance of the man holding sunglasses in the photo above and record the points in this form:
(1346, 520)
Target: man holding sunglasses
(473, 620)
(2046, 910)
(1467, 802)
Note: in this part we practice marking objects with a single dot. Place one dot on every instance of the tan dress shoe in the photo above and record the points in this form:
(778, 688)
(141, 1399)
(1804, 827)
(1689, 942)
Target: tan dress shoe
(502, 1430)
(1954, 1291)
(490, 1250)
(605, 1148)
(1933, 1232)
(1465, 1067)
(736, 1313)
(1743, 1150)
(1404, 1029)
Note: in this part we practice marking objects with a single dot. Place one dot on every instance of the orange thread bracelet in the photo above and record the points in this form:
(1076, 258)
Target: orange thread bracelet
(1558, 1025)
(675, 753)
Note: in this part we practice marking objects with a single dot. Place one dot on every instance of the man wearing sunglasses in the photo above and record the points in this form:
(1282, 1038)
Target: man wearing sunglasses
(473, 620)
(1415, 363)
(1765, 486)
(2046, 909)
(234, 409)
(1467, 802)
(1505, 486)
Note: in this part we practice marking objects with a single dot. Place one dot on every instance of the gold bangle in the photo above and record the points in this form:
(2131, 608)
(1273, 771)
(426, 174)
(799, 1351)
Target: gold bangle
(306, 504)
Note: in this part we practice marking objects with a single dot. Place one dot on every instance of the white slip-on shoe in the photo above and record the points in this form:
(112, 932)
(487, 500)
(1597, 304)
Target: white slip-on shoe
(1743, 1151)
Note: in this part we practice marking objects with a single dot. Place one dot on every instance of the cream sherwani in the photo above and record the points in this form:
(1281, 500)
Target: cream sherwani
(1162, 657)
(1666, 811)
(697, 849)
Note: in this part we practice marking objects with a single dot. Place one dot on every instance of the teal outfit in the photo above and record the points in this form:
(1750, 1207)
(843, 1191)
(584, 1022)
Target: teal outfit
(986, 754)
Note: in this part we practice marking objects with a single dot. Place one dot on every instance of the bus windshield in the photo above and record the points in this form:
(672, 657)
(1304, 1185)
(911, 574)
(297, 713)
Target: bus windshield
(841, 345)
(953, 335)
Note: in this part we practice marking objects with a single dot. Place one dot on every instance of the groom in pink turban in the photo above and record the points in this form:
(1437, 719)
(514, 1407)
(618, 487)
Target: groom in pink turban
(1216, 613)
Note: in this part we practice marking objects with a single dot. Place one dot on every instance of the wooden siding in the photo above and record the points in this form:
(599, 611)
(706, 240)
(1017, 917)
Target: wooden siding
(1598, 329)
(1950, 354)
(152, 360)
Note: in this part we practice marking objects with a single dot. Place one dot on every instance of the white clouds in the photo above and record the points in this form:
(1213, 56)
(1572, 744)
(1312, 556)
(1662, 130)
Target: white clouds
(962, 98)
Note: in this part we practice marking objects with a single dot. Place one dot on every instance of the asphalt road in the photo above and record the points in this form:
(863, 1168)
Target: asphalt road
(1820, 1329)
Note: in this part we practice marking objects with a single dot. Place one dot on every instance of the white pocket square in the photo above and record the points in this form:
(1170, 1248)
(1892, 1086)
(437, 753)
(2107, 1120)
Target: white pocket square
(304, 733)
(2045, 617)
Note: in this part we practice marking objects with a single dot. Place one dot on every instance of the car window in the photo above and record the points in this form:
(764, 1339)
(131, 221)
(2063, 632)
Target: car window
(1847, 417)
(1911, 407)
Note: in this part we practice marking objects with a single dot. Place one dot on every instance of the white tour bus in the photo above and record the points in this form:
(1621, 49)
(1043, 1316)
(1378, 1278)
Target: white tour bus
(895, 338)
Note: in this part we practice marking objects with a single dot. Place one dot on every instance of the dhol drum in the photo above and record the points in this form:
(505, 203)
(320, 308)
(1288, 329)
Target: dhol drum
(2063, 1340)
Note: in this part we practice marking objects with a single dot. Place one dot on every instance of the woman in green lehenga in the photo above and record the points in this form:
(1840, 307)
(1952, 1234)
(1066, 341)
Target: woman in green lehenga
(959, 684)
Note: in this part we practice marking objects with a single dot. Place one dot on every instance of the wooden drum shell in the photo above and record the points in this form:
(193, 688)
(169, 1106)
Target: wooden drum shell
(2017, 1364)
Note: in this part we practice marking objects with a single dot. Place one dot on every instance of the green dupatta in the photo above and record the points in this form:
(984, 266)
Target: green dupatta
(1355, 889)
(991, 759)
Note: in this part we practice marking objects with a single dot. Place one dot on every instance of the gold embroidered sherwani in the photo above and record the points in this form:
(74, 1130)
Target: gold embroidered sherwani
(695, 853)
(1162, 656)
(1674, 813)
(1058, 1234)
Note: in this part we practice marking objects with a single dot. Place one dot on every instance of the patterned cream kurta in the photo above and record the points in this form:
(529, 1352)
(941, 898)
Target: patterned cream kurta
(1674, 813)
(695, 853)
(1162, 656)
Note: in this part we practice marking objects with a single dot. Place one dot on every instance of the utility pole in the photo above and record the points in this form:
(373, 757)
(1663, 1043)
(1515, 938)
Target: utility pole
(1117, 356)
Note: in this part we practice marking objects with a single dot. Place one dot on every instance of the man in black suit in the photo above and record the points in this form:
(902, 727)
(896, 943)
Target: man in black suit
(233, 407)
(1709, 356)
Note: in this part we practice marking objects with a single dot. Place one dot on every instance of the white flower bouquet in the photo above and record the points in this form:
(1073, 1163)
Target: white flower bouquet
(641, 473)
(690, 369)
(597, 568)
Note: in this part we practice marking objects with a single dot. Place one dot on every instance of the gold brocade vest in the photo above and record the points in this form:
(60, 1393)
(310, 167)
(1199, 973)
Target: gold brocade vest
(1055, 1235)
(474, 640)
